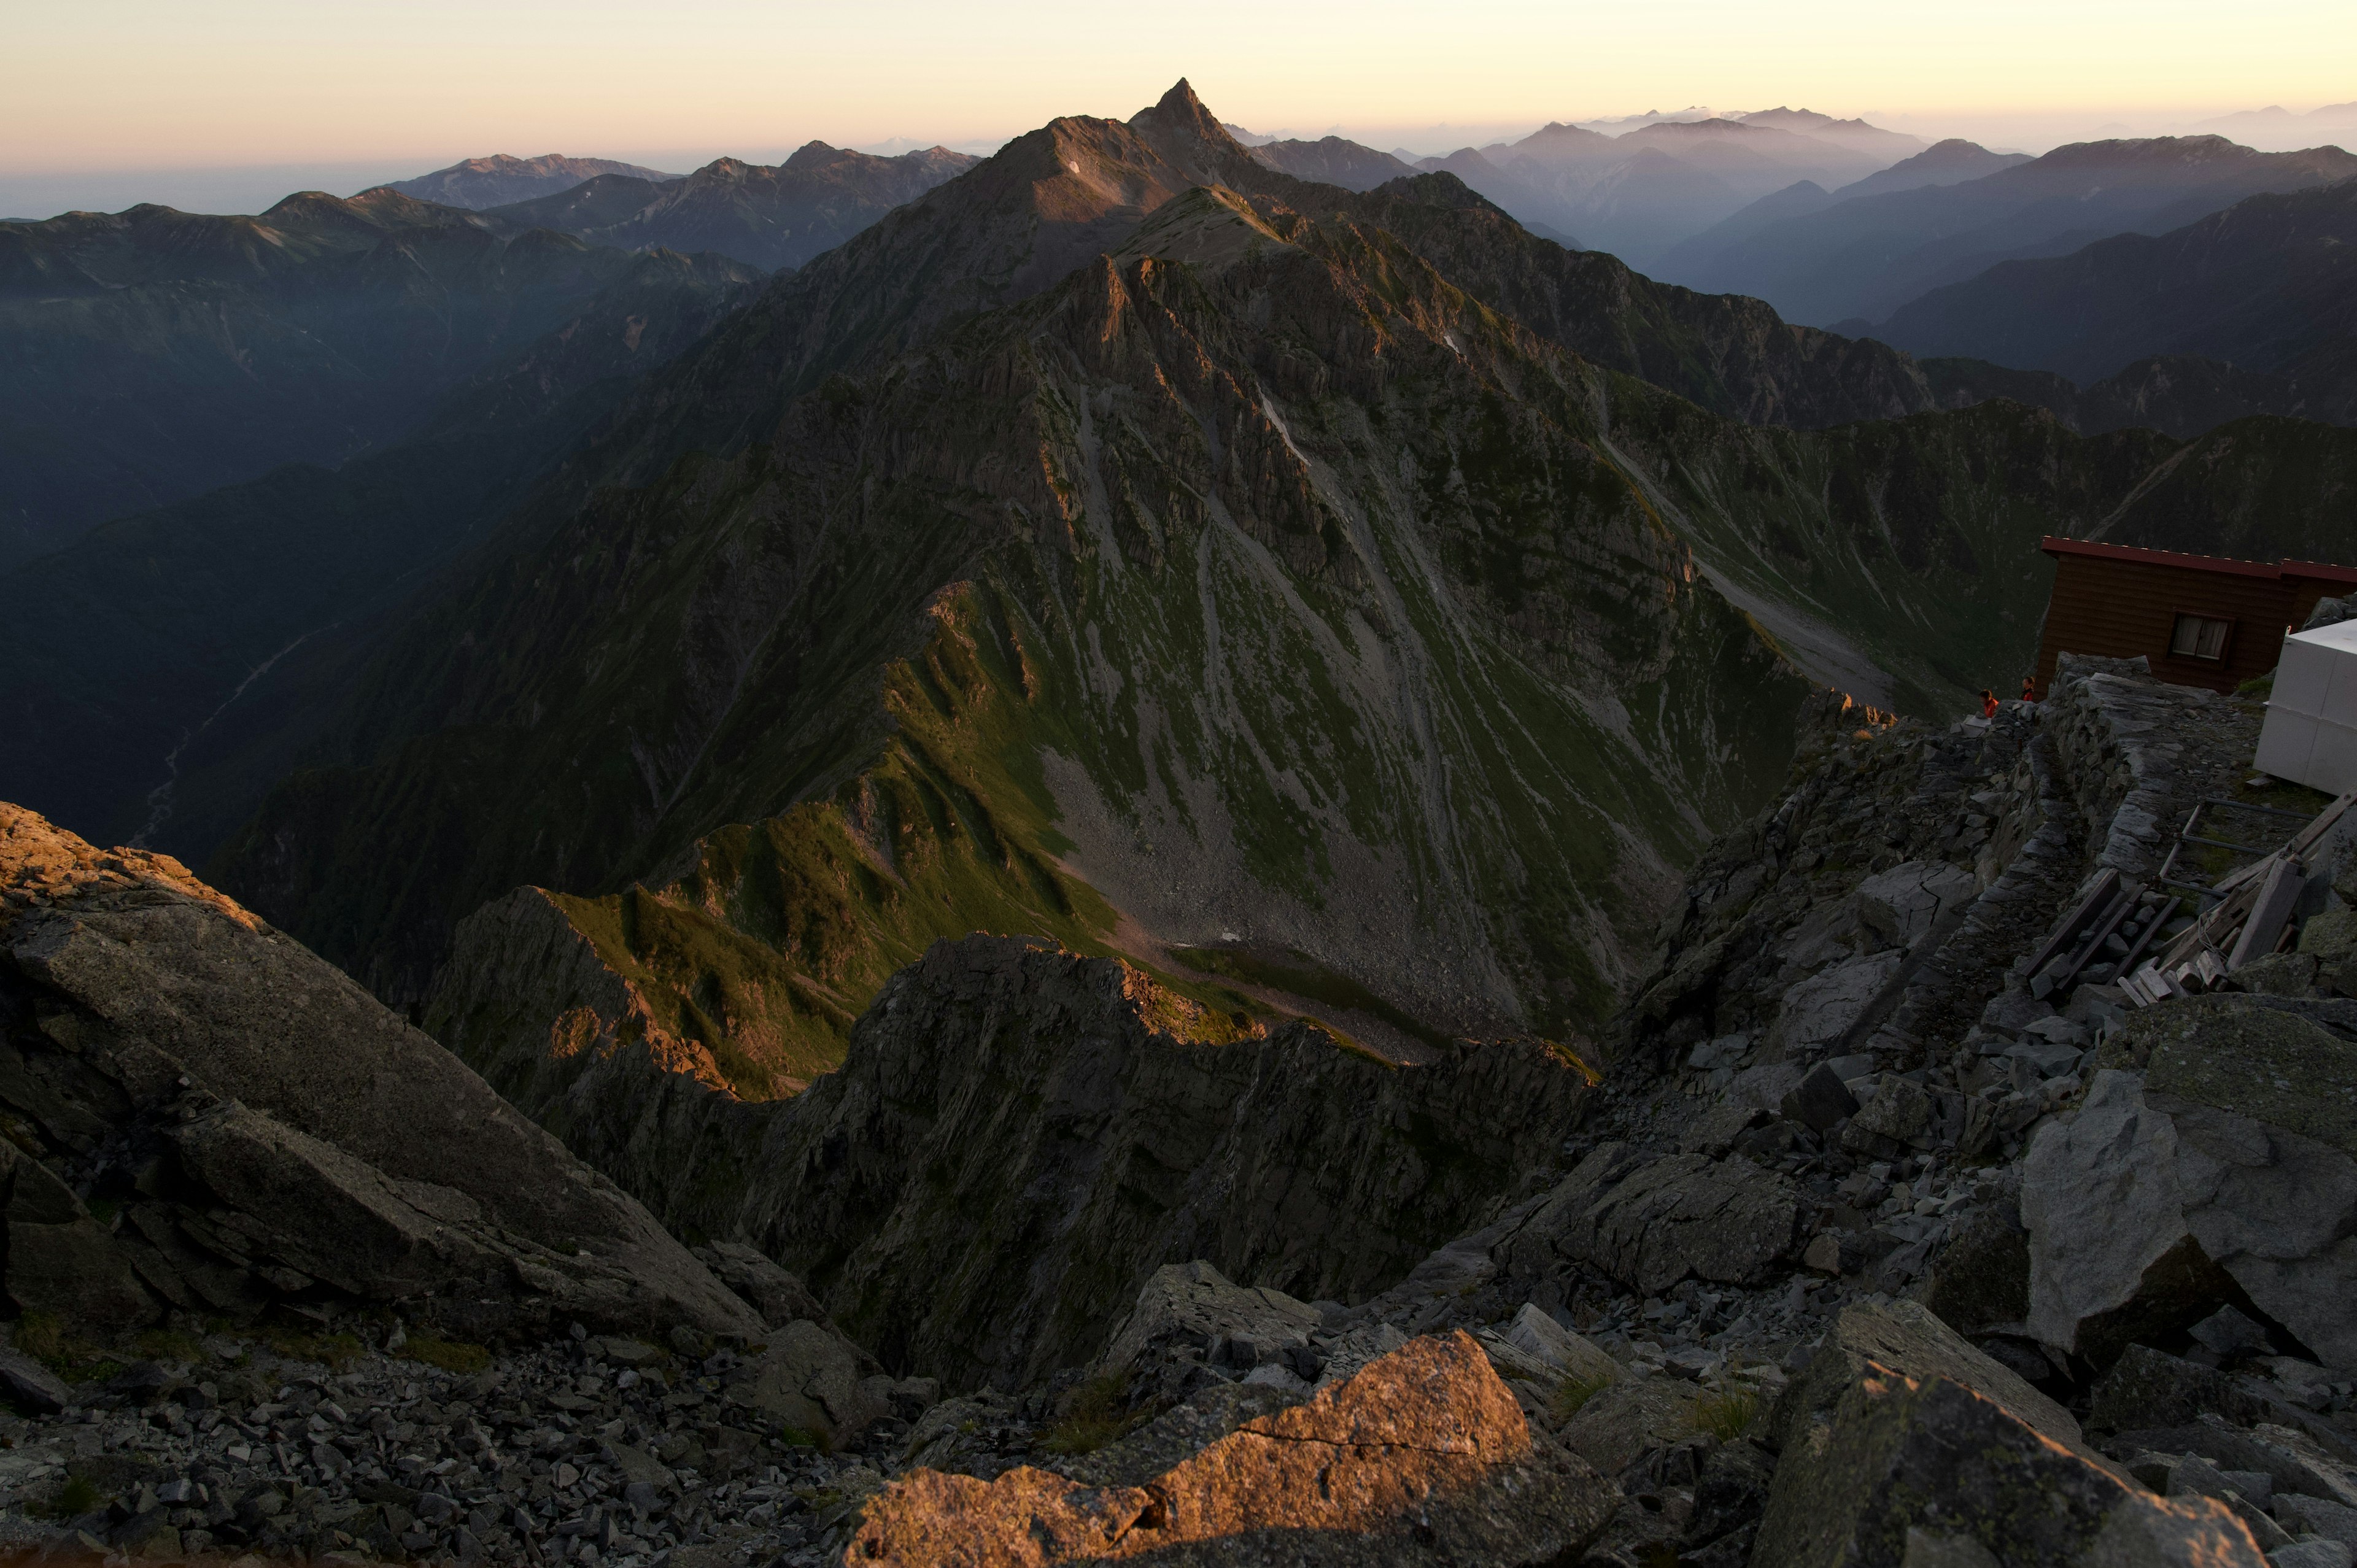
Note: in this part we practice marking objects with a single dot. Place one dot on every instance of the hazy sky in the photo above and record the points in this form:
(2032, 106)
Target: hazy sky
(147, 85)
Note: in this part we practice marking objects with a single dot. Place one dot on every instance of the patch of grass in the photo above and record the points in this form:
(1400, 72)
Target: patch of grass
(450, 1355)
(1573, 1392)
(43, 1336)
(1727, 1414)
(1306, 978)
(171, 1345)
(1093, 1417)
(336, 1351)
(71, 1501)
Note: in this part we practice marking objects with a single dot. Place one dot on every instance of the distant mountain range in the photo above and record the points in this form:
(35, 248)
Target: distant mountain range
(499, 180)
(1859, 259)
(2256, 307)
(154, 354)
(2262, 284)
(157, 354)
(2276, 128)
(1331, 161)
(1638, 194)
(772, 216)
(1945, 163)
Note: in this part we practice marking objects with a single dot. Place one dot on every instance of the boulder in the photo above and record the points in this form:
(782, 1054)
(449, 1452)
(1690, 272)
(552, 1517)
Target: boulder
(1422, 1458)
(812, 1379)
(1905, 1338)
(1649, 1224)
(1823, 1008)
(2319, 1516)
(31, 1386)
(1192, 1311)
(1982, 1281)
(290, 1134)
(2330, 937)
(1821, 1100)
(2211, 1157)
(1902, 1115)
(2148, 1389)
(1925, 1473)
(1569, 1354)
(1637, 1416)
(78, 1272)
(776, 1294)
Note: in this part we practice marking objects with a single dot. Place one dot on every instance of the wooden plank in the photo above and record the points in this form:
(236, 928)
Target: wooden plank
(2074, 925)
(2121, 904)
(2269, 912)
(2135, 950)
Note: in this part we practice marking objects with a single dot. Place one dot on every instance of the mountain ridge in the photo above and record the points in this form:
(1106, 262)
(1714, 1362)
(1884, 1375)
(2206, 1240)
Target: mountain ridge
(1866, 257)
(498, 179)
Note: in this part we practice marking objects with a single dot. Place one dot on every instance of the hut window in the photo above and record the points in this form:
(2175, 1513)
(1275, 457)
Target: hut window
(2197, 636)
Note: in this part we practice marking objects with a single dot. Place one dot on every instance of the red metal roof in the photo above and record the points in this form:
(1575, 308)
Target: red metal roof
(2311, 571)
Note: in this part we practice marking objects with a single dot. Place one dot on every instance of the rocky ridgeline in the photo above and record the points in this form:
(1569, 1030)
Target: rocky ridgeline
(1020, 1135)
(1885, 1241)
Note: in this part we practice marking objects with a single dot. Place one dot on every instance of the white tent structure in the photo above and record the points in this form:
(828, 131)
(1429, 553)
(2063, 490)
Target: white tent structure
(2310, 734)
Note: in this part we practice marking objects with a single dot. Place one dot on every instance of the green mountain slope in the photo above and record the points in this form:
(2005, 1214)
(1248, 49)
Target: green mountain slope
(1260, 596)
(1367, 654)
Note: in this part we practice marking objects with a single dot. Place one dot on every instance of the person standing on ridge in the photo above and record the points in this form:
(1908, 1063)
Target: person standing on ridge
(2028, 690)
(1988, 703)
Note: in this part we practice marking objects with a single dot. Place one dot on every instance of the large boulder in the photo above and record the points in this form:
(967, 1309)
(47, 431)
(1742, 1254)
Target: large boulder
(813, 1380)
(1907, 1338)
(2215, 1154)
(1188, 1314)
(1925, 1473)
(266, 1130)
(1651, 1223)
(1423, 1457)
(1820, 1010)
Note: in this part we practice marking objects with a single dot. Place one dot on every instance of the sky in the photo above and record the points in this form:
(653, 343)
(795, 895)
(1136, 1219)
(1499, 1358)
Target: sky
(170, 99)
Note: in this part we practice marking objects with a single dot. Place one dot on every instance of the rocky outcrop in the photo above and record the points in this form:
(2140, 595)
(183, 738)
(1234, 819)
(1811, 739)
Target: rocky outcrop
(1911, 1472)
(1021, 1136)
(2212, 1158)
(1651, 1224)
(205, 1118)
(1423, 1457)
(1191, 1311)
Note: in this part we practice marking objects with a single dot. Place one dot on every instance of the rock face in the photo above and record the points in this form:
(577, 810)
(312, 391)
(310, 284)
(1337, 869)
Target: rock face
(1423, 1457)
(263, 1130)
(1020, 1136)
(2216, 1140)
(1650, 1224)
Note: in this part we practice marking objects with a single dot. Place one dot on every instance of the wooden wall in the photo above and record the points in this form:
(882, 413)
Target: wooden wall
(2122, 608)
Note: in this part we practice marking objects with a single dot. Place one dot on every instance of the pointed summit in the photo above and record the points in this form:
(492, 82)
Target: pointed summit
(1191, 136)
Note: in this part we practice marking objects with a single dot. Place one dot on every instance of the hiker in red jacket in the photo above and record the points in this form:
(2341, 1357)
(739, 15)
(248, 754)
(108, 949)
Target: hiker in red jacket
(1988, 703)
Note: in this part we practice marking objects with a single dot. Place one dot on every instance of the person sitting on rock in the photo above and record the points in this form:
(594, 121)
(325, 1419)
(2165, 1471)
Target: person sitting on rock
(2028, 690)
(1988, 703)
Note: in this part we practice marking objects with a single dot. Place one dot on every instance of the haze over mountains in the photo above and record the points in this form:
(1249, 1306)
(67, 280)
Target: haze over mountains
(155, 354)
(1860, 260)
